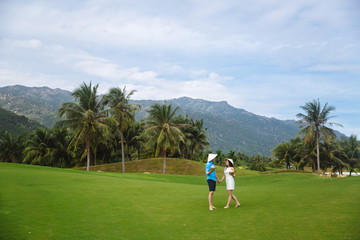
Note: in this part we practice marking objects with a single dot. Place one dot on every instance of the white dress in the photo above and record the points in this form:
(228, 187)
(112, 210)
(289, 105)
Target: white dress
(230, 183)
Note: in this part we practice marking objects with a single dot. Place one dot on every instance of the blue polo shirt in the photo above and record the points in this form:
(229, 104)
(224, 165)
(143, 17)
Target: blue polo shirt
(211, 176)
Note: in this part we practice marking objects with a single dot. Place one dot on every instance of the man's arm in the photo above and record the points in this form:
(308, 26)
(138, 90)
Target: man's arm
(207, 169)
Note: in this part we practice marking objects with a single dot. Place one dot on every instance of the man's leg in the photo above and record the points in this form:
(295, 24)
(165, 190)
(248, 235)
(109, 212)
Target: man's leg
(211, 195)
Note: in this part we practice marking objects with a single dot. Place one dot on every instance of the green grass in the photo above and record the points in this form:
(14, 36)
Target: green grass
(48, 203)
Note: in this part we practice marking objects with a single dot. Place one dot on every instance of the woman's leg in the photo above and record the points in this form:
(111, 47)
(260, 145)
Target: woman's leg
(235, 199)
(229, 198)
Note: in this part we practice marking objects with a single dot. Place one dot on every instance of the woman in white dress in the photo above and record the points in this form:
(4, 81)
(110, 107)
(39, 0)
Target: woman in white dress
(230, 183)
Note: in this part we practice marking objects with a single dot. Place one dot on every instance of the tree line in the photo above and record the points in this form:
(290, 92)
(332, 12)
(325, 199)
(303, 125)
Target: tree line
(98, 130)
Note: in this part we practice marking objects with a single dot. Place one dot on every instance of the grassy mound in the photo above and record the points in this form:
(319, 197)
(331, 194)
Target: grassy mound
(155, 165)
(49, 203)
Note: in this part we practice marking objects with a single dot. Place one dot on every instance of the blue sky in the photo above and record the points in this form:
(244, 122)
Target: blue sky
(268, 57)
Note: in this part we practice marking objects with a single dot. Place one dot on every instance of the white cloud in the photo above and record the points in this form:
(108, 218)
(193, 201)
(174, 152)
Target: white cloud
(272, 23)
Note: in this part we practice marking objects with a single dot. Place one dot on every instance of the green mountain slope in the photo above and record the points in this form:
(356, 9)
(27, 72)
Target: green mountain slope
(36, 103)
(11, 122)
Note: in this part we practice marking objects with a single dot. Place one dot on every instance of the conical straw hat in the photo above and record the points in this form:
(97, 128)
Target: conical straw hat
(211, 156)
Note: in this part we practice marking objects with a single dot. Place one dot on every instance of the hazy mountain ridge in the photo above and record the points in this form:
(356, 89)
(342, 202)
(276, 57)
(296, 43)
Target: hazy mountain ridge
(229, 128)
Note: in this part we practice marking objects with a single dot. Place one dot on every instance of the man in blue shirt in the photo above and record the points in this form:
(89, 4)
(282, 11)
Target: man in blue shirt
(211, 178)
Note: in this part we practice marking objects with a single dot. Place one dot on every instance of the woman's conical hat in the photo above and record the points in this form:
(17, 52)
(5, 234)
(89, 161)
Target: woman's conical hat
(230, 160)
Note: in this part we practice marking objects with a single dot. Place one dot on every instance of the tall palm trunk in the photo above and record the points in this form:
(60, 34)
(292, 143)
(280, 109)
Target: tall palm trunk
(313, 165)
(318, 150)
(88, 154)
(164, 167)
(326, 165)
(122, 150)
(183, 151)
(129, 152)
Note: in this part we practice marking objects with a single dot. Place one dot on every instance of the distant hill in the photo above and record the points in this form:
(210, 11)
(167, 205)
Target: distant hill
(36, 103)
(11, 122)
(230, 128)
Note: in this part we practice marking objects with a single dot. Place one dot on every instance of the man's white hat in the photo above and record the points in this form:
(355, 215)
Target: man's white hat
(230, 160)
(211, 157)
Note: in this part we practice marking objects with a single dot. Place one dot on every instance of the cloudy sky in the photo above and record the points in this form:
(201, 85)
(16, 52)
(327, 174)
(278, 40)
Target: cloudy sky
(268, 57)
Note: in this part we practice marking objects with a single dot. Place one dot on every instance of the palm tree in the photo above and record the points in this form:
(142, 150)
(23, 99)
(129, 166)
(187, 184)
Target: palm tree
(299, 151)
(122, 111)
(314, 124)
(284, 153)
(11, 148)
(306, 154)
(38, 150)
(163, 133)
(329, 151)
(60, 153)
(87, 117)
(185, 126)
(198, 137)
(350, 153)
(106, 148)
(134, 139)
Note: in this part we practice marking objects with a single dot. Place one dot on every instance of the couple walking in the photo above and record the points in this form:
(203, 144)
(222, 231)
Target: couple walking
(212, 178)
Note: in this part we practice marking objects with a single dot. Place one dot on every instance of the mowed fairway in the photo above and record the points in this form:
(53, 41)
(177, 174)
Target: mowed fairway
(47, 203)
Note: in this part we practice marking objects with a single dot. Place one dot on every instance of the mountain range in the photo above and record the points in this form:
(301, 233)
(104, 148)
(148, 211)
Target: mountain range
(228, 128)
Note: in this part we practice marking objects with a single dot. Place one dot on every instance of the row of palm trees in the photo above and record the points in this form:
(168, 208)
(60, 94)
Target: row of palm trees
(96, 122)
(317, 141)
(337, 154)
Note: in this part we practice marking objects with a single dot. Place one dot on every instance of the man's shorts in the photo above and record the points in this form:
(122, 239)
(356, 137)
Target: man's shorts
(212, 185)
